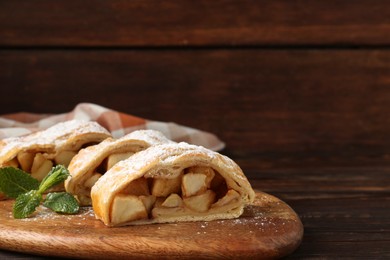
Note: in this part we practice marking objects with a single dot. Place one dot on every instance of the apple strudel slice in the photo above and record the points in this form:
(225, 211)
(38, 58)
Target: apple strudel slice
(92, 162)
(38, 152)
(171, 183)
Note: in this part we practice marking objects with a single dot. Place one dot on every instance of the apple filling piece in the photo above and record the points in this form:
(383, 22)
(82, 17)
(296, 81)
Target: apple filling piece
(195, 191)
(40, 164)
(94, 175)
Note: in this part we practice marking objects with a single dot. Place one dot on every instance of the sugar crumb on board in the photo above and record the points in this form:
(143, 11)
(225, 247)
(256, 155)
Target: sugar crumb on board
(43, 214)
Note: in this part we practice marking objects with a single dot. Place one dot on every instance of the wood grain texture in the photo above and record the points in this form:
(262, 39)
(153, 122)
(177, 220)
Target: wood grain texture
(289, 108)
(345, 211)
(194, 23)
(268, 229)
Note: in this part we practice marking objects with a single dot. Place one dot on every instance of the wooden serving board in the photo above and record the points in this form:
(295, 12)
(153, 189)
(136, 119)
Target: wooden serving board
(268, 229)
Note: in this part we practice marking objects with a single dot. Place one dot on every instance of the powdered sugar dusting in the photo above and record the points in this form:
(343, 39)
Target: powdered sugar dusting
(59, 133)
(43, 215)
(152, 137)
(51, 138)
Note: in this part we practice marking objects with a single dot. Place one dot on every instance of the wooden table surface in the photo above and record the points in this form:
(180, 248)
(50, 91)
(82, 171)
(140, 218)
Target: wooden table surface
(345, 211)
(298, 90)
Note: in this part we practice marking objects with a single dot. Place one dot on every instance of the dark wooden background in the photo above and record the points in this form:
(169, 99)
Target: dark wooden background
(298, 90)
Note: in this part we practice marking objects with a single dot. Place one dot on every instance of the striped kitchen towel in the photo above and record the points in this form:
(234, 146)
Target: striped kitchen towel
(117, 123)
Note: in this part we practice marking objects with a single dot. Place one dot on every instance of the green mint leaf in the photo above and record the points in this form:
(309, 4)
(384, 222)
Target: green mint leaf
(14, 181)
(61, 202)
(26, 204)
(57, 175)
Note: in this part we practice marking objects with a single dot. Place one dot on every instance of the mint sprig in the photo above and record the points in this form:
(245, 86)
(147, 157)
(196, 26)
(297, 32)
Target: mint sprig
(26, 204)
(61, 202)
(57, 175)
(18, 184)
(14, 181)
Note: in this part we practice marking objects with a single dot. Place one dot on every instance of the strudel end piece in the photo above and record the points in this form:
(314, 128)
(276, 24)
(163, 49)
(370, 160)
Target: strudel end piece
(38, 152)
(171, 183)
